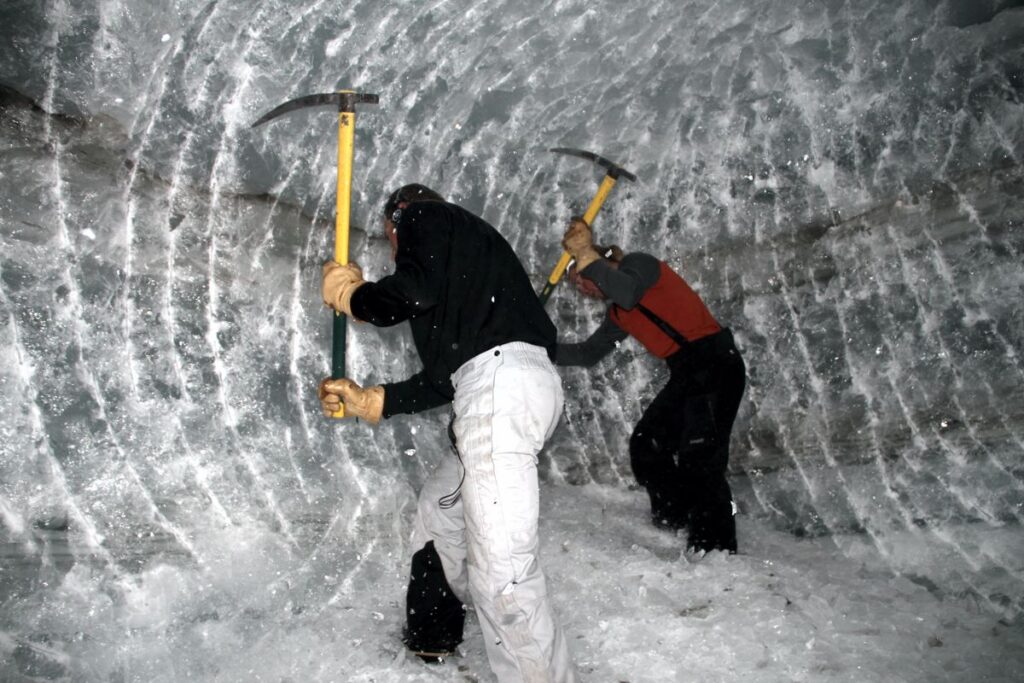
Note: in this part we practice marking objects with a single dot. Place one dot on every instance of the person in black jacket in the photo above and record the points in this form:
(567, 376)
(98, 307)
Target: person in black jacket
(486, 346)
(679, 450)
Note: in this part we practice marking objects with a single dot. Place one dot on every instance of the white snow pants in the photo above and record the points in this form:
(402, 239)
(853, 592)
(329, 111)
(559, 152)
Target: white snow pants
(507, 403)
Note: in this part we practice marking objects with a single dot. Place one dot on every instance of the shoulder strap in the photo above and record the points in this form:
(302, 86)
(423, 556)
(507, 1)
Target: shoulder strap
(664, 326)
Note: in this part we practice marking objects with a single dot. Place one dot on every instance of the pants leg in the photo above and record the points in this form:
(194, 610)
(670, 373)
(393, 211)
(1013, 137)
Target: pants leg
(506, 407)
(652, 451)
(702, 471)
(438, 580)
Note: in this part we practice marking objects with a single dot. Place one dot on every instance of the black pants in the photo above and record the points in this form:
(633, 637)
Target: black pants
(680, 448)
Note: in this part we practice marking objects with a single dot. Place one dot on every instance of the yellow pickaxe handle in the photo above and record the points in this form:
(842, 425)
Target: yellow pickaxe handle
(595, 205)
(342, 213)
(346, 144)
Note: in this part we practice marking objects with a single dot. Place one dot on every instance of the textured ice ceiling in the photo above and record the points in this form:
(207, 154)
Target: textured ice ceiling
(840, 179)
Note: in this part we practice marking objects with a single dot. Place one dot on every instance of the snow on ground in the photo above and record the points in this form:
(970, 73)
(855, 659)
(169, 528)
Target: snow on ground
(784, 609)
(634, 606)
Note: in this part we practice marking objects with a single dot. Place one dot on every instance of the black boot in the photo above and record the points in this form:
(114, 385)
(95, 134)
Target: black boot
(434, 617)
(668, 511)
(713, 528)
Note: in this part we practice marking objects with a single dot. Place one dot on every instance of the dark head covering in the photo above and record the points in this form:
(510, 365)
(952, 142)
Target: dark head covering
(413, 192)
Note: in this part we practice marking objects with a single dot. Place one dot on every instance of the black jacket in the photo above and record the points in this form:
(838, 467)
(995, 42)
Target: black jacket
(463, 291)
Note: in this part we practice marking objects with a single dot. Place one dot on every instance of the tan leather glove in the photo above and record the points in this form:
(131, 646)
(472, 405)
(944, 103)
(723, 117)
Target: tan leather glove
(366, 403)
(579, 242)
(329, 402)
(340, 283)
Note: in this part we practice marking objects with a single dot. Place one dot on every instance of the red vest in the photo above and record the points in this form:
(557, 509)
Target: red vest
(672, 300)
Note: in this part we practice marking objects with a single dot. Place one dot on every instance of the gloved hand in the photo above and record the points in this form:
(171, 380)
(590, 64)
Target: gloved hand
(329, 402)
(366, 403)
(579, 242)
(340, 283)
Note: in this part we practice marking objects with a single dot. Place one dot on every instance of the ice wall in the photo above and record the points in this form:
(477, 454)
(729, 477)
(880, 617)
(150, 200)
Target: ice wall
(841, 180)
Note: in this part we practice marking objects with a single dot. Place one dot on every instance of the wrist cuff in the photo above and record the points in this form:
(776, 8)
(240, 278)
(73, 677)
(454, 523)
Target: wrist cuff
(585, 258)
(344, 303)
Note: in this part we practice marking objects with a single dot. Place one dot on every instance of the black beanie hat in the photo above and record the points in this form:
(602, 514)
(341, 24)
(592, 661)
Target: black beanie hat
(413, 192)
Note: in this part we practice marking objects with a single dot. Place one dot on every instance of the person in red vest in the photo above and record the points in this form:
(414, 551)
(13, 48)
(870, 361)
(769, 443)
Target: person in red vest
(679, 450)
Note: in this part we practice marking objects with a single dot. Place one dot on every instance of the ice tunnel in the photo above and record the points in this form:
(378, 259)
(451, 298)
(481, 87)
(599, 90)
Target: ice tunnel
(841, 181)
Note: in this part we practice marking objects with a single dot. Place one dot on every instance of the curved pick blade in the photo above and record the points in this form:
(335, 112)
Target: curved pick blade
(318, 100)
(613, 169)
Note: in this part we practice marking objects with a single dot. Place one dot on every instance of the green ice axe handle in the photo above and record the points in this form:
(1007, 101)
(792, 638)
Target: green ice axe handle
(338, 346)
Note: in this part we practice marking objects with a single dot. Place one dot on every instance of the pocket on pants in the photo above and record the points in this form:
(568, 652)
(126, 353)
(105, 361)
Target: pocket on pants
(526, 406)
(699, 433)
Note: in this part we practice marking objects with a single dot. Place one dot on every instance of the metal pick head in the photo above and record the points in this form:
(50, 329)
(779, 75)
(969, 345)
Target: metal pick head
(344, 100)
(611, 168)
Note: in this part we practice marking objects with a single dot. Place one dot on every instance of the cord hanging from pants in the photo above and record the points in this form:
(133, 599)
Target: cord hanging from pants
(449, 501)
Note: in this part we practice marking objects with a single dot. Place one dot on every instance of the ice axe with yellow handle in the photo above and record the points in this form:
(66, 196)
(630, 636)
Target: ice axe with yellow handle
(345, 101)
(612, 173)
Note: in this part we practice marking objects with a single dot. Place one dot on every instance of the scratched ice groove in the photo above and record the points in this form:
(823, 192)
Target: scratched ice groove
(879, 280)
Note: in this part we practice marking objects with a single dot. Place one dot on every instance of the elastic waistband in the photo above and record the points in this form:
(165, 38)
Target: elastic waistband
(520, 350)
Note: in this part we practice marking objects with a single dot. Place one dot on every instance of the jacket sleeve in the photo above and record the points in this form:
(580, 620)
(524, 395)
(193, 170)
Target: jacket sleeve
(420, 265)
(598, 345)
(626, 284)
(412, 396)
